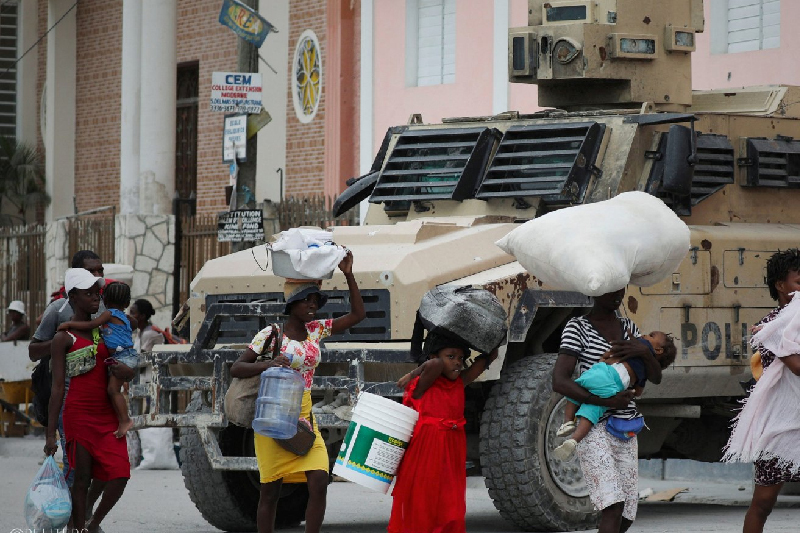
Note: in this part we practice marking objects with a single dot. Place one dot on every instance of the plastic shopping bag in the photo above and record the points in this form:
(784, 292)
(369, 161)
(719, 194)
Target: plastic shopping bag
(48, 504)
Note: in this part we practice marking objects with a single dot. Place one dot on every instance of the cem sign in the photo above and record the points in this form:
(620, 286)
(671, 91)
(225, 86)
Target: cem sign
(245, 225)
(236, 92)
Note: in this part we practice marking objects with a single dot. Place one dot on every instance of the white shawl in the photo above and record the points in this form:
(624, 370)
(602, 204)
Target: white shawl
(768, 427)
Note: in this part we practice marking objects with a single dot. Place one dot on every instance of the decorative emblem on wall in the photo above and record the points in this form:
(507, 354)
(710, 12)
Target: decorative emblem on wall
(307, 76)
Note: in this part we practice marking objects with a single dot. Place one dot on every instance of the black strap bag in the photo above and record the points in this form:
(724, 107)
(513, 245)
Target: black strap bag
(41, 384)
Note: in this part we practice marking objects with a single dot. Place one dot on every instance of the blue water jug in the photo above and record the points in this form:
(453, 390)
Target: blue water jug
(280, 397)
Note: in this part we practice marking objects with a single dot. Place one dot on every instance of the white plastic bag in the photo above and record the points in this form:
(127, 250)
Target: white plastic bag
(599, 248)
(48, 504)
(311, 251)
(158, 451)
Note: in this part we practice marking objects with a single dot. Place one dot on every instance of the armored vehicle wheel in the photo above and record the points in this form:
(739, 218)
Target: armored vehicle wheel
(518, 426)
(228, 500)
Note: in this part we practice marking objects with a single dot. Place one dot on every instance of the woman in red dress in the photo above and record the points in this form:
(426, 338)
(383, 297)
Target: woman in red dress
(89, 419)
(431, 486)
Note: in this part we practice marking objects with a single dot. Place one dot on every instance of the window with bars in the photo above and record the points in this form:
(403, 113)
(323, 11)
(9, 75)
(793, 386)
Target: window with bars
(753, 25)
(8, 81)
(430, 42)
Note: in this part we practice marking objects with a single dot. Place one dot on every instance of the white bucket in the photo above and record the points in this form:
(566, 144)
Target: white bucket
(376, 440)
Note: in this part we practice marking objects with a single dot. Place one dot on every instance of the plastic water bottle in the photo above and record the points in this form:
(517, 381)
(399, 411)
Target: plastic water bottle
(280, 397)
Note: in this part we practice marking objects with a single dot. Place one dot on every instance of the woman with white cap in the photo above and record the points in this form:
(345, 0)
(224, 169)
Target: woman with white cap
(299, 350)
(18, 328)
(89, 417)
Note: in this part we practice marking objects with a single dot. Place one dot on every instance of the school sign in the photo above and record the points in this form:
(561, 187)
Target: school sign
(236, 92)
(245, 22)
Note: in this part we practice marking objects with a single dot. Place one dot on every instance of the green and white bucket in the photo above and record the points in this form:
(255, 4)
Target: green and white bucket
(376, 440)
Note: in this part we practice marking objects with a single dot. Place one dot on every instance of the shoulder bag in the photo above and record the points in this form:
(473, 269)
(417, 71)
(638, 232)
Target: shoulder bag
(83, 359)
(240, 400)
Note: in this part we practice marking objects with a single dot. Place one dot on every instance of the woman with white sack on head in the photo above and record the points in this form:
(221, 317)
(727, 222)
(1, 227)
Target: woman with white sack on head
(767, 430)
(598, 249)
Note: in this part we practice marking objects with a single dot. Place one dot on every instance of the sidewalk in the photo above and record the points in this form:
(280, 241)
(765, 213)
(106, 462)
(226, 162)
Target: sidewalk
(709, 493)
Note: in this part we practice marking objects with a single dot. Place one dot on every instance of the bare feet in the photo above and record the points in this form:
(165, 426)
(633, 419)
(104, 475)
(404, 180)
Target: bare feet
(123, 428)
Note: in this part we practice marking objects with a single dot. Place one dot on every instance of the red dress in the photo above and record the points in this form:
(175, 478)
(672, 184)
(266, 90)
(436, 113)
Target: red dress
(89, 419)
(431, 488)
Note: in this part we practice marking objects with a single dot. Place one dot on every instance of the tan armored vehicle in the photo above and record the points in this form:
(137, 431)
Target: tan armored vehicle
(618, 74)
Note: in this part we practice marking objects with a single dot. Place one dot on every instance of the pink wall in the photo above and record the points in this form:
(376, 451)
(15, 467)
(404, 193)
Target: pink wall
(762, 67)
(471, 94)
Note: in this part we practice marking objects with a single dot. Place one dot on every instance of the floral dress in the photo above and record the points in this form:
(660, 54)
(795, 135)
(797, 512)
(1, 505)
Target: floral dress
(274, 462)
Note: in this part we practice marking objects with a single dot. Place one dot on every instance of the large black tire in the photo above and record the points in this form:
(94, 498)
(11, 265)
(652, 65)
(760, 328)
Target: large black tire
(228, 500)
(534, 491)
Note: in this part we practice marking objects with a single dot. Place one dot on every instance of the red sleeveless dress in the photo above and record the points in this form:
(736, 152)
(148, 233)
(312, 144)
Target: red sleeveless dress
(90, 421)
(431, 487)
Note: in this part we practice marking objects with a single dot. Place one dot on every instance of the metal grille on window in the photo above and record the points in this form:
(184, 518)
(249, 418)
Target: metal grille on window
(554, 162)
(8, 82)
(242, 329)
(772, 162)
(435, 164)
(713, 170)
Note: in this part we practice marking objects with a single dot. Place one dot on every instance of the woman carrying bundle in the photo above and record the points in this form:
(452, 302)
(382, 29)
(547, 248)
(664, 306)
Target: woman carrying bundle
(299, 350)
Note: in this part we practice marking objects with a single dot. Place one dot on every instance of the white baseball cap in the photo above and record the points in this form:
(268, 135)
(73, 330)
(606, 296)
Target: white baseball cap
(17, 306)
(80, 278)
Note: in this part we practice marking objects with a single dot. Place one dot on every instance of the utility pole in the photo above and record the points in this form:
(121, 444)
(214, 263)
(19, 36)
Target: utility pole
(246, 179)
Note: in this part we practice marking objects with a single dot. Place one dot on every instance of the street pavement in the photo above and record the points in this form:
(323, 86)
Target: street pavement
(156, 500)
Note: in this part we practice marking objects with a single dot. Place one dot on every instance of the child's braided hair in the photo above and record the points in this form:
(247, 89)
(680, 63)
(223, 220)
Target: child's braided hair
(779, 266)
(117, 295)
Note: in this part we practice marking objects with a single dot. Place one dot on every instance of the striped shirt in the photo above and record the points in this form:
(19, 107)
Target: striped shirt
(580, 339)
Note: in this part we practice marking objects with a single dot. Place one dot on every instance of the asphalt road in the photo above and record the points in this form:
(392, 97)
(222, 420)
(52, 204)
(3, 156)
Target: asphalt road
(158, 501)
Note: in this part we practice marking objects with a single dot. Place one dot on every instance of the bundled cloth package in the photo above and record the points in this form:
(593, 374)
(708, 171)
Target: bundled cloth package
(768, 426)
(311, 254)
(599, 248)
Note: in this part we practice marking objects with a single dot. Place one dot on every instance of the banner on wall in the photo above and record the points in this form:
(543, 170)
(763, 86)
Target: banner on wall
(245, 22)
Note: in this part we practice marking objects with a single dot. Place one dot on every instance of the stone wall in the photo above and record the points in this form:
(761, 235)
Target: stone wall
(147, 243)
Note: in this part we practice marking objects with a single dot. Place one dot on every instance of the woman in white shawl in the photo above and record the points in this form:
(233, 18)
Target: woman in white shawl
(767, 430)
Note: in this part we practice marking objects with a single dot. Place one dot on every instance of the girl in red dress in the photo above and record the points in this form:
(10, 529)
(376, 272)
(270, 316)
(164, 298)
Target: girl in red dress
(431, 485)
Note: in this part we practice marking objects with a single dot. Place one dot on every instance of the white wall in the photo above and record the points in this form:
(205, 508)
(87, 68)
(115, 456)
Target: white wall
(272, 137)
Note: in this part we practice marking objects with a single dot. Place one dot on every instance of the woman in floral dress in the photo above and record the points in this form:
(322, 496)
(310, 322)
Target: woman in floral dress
(300, 350)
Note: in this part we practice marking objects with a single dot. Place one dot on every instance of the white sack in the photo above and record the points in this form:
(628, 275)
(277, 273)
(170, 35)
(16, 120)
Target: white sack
(602, 247)
(158, 451)
(312, 252)
(781, 335)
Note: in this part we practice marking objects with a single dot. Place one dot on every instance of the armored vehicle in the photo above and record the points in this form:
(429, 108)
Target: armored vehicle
(616, 75)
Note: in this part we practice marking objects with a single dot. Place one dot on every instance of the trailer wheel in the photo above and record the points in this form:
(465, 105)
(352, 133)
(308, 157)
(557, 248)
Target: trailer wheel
(228, 500)
(529, 488)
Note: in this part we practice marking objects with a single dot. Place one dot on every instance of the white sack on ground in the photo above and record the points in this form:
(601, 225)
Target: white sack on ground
(158, 451)
(311, 251)
(602, 247)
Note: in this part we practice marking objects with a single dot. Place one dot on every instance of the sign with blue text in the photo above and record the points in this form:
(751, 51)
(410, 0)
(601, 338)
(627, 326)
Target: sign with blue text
(245, 22)
(236, 92)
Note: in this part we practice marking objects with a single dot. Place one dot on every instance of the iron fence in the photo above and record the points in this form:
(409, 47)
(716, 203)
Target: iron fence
(23, 269)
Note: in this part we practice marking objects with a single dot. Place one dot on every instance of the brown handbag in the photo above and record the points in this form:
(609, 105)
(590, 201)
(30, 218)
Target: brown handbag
(240, 400)
(303, 440)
